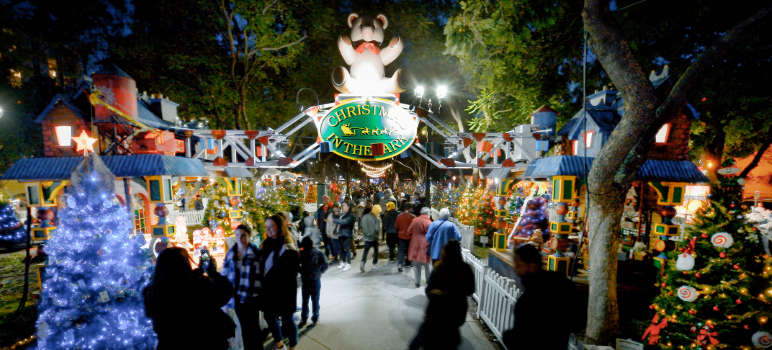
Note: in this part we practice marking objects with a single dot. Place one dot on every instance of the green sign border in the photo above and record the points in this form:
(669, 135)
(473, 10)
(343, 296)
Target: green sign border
(402, 116)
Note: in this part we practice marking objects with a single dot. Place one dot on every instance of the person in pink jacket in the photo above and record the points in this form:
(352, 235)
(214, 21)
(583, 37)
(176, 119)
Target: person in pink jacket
(418, 244)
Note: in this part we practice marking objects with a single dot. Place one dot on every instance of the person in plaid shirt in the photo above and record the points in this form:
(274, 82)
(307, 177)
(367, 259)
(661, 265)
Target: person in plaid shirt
(242, 268)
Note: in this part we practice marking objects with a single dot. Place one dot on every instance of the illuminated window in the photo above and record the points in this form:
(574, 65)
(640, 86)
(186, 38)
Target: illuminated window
(663, 134)
(575, 147)
(15, 78)
(588, 139)
(52, 68)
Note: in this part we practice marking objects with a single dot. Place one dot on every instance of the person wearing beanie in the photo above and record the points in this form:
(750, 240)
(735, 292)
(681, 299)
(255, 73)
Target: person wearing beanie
(392, 235)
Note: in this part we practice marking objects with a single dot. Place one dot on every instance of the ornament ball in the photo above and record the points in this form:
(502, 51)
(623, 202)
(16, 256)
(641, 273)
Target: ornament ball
(722, 255)
(692, 312)
(697, 275)
(738, 301)
(736, 267)
(715, 308)
(704, 235)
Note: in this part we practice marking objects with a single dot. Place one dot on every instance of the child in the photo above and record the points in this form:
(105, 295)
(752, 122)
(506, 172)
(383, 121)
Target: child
(313, 264)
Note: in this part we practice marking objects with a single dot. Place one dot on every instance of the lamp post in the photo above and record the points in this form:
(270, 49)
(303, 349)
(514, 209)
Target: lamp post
(419, 94)
(442, 90)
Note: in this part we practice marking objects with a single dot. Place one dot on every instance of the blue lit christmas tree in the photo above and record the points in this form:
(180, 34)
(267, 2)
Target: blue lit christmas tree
(91, 296)
(12, 231)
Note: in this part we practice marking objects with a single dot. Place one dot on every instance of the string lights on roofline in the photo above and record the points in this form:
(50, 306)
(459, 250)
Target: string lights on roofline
(373, 168)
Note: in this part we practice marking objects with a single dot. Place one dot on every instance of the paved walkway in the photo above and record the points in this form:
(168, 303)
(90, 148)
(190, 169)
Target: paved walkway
(380, 309)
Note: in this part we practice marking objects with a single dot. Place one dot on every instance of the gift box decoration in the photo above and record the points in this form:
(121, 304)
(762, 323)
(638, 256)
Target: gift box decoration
(377, 149)
(434, 148)
(326, 147)
(406, 154)
(542, 146)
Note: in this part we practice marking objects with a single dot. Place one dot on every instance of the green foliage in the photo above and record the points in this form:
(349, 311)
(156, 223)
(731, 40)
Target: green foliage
(734, 291)
(518, 55)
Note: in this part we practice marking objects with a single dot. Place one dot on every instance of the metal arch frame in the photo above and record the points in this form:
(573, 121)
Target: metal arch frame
(243, 143)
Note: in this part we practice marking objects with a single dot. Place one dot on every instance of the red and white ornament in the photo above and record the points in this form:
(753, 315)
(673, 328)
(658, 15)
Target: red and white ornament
(688, 294)
(721, 240)
(762, 340)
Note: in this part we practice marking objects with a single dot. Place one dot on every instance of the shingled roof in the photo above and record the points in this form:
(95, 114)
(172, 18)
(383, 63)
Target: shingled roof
(651, 170)
(60, 168)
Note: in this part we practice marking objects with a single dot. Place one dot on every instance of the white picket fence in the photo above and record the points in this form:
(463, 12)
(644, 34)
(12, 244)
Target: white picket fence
(192, 217)
(495, 296)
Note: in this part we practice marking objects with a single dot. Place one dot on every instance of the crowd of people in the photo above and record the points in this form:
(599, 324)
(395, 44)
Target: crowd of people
(265, 279)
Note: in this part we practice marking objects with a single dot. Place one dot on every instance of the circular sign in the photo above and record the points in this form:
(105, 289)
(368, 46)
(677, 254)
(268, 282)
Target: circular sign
(368, 129)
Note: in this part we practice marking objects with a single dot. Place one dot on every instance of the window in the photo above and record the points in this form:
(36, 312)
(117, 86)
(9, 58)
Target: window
(15, 78)
(52, 68)
(662, 134)
(588, 139)
(140, 221)
(575, 147)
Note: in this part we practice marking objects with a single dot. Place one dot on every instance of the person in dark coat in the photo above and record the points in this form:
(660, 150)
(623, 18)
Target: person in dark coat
(313, 264)
(535, 308)
(345, 224)
(279, 260)
(392, 235)
(321, 221)
(449, 286)
(169, 296)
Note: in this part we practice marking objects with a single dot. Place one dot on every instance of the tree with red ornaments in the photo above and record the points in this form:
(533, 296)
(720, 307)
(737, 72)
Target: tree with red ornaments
(716, 291)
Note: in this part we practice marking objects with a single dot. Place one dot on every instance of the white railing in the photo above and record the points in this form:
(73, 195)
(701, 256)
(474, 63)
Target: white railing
(498, 302)
(467, 234)
(495, 296)
(478, 266)
(192, 217)
(310, 208)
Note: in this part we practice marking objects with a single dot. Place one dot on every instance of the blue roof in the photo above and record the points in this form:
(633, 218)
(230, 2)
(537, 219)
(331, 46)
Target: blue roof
(67, 102)
(149, 118)
(238, 172)
(558, 165)
(651, 170)
(60, 168)
(670, 170)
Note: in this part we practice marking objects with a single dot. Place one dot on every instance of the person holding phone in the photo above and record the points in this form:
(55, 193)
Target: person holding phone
(171, 292)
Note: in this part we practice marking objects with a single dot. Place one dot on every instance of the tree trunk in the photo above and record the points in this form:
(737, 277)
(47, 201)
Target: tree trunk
(604, 225)
(715, 149)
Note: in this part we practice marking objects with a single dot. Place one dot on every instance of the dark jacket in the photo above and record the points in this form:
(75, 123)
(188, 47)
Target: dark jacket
(346, 223)
(320, 216)
(168, 307)
(279, 293)
(389, 221)
(448, 289)
(534, 309)
(312, 265)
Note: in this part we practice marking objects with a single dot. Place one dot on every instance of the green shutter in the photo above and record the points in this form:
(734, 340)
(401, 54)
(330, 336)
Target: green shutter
(168, 191)
(556, 188)
(34, 195)
(155, 190)
(568, 188)
(678, 193)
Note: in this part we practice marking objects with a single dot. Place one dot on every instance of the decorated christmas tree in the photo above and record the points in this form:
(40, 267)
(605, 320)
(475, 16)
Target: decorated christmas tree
(466, 208)
(91, 296)
(311, 194)
(216, 213)
(12, 232)
(444, 197)
(716, 291)
(484, 221)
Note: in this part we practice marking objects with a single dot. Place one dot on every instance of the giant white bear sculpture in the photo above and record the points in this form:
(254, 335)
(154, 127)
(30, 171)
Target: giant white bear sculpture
(362, 52)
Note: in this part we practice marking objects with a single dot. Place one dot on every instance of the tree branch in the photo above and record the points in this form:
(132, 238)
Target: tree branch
(757, 157)
(254, 51)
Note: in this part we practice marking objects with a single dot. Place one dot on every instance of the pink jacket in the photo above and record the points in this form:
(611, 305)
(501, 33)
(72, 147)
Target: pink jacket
(418, 243)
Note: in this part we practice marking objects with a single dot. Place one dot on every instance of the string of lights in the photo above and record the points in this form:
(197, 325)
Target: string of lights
(373, 168)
